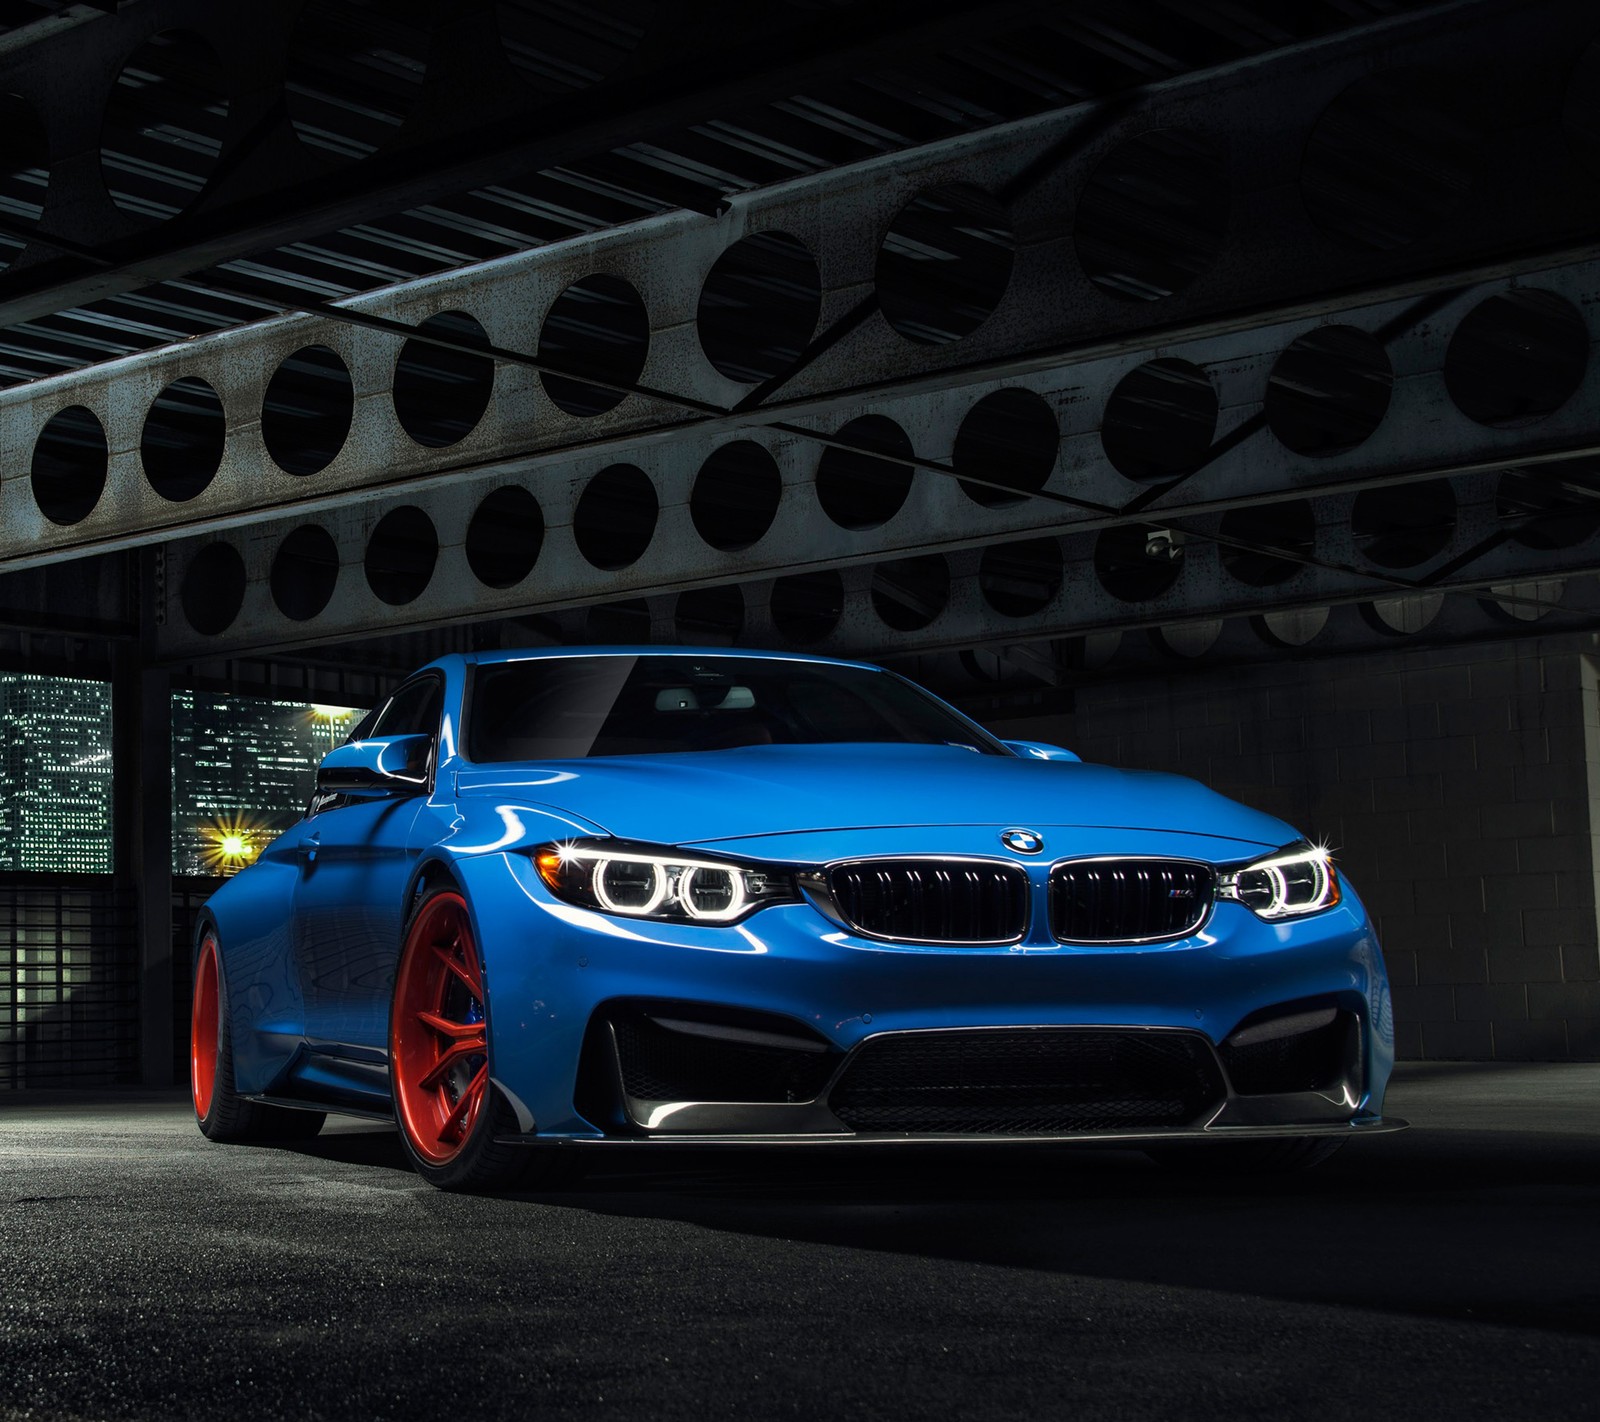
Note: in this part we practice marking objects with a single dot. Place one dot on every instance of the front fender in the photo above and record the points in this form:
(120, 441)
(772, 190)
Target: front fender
(252, 915)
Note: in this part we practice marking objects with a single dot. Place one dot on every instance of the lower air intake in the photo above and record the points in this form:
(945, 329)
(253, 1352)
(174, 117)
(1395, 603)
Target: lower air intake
(1028, 1081)
(1307, 1060)
(659, 1064)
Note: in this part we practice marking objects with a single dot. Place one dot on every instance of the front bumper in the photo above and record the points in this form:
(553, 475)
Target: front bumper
(555, 973)
(856, 1140)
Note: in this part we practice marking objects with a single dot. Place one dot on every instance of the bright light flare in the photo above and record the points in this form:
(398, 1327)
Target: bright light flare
(228, 845)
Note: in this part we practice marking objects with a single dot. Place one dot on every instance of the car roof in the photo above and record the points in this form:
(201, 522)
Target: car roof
(648, 650)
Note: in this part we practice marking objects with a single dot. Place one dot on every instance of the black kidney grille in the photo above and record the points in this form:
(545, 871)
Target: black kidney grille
(1028, 1081)
(1116, 900)
(933, 900)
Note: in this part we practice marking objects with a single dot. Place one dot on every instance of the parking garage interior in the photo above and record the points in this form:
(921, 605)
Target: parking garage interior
(1206, 386)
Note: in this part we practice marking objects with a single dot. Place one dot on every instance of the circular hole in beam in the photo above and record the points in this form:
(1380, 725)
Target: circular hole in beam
(1525, 601)
(355, 71)
(910, 593)
(401, 553)
(709, 617)
(1290, 626)
(1389, 160)
(1160, 421)
(736, 495)
(24, 171)
(1516, 357)
(564, 49)
(1138, 561)
(597, 327)
(1405, 525)
(1328, 391)
(945, 264)
(69, 465)
(1553, 505)
(1185, 641)
(1087, 653)
(164, 122)
(440, 393)
(759, 306)
(625, 623)
(1290, 526)
(306, 413)
(859, 489)
(1153, 215)
(213, 588)
(807, 606)
(616, 517)
(304, 572)
(1020, 579)
(1010, 437)
(184, 435)
(505, 536)
(1401, 616)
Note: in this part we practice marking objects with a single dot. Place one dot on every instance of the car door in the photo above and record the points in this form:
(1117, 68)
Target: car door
(355, 856)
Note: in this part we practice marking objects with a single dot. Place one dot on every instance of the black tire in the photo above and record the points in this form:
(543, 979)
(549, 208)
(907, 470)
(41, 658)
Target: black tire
(221, 1113)
(475, 1161)
(1283, 1155)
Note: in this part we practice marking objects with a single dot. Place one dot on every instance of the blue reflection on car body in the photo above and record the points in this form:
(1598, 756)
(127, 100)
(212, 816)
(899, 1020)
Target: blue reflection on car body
(920, 943)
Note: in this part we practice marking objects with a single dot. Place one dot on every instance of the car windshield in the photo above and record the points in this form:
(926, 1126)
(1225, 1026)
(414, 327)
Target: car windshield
(562, 708)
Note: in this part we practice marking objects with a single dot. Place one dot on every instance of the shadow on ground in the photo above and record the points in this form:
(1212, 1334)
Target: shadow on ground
(1453, 1224)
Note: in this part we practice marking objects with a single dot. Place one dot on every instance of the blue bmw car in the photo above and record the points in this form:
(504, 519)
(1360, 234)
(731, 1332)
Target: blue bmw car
(594, 898)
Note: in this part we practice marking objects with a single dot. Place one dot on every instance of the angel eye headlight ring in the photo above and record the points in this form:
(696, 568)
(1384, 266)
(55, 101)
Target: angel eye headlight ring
(1292, 882)
(629, 885)
(700, 876)
(649, 881)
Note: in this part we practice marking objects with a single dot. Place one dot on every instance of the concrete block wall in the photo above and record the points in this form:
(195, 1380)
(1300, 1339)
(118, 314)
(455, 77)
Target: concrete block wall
(1458, 786)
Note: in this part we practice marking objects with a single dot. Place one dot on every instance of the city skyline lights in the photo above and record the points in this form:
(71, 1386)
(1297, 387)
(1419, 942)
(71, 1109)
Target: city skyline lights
(243, 769)
(55, 774)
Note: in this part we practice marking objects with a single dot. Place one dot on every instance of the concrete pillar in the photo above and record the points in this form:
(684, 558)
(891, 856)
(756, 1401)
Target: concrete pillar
(141, 709)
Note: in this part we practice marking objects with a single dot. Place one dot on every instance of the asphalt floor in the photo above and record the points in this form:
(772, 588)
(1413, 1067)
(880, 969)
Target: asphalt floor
(1450, 1271)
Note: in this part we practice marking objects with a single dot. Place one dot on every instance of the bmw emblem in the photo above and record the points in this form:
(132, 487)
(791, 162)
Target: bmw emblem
(1024, 841)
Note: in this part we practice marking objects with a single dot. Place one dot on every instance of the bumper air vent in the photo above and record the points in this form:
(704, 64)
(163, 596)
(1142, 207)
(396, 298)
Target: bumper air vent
(1028, 1081)
(686, 1053)
(1290, 1050)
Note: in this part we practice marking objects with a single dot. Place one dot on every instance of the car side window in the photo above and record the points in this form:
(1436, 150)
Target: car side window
(413, 710)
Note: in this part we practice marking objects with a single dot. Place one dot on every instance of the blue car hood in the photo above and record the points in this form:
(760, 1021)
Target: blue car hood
(719, 797)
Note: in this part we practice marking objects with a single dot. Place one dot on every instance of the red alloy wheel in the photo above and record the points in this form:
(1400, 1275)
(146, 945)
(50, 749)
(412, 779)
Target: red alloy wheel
(438, 1039)
(204, 1017)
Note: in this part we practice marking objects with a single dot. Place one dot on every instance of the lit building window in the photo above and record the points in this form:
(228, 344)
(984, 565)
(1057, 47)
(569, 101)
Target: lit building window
(243, 769)
(55, 774)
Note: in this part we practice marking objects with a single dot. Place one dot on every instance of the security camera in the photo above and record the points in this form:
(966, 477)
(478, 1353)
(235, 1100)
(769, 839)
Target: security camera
(1165, 545)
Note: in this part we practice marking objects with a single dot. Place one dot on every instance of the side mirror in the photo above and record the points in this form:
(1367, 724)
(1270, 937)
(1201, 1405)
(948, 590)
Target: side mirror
(385, 763)
(1040, 750)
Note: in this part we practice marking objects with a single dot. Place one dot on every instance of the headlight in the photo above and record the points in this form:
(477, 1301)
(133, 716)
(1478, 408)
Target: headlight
(641, 881)
(1289, 883)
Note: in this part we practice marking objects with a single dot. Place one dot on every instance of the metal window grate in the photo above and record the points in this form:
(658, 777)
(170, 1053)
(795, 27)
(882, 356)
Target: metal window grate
(69, 986)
